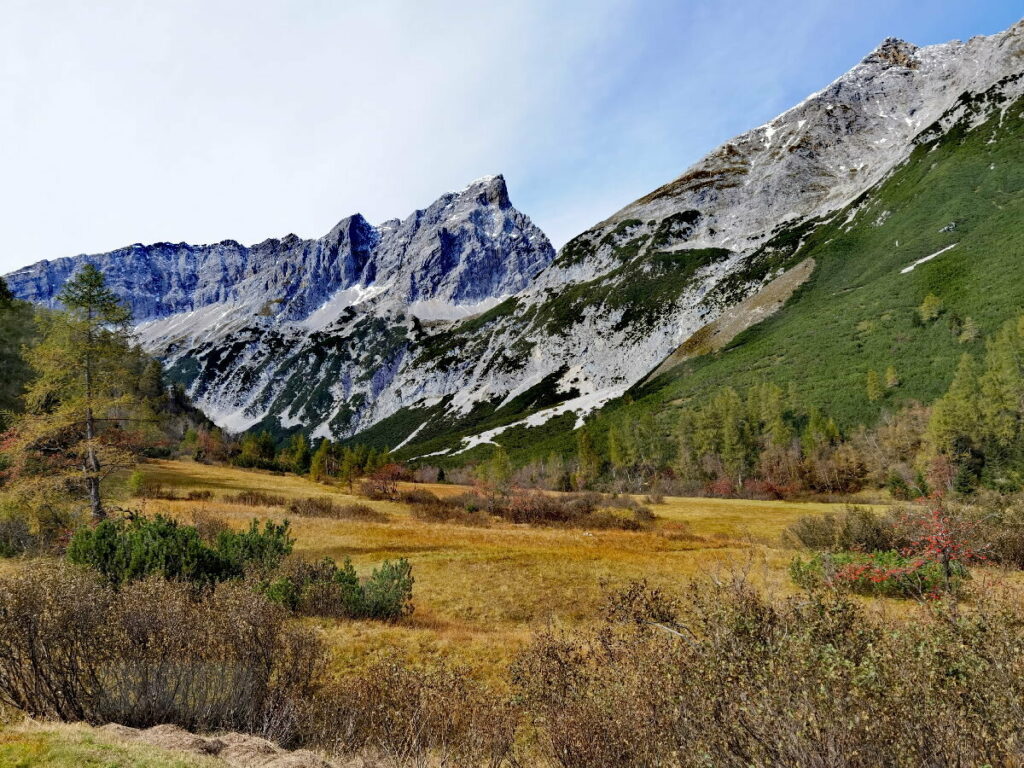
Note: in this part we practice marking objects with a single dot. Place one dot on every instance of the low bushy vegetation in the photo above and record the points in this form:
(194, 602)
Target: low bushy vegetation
(853, 529)
(15, 537)
(324, 588)
(415, 716)
(879, 574)
(920, 552)
(719, 675)
(464, 509)
(323, 506)
(252, 498)
(729, 677)
(73, 647)
(126, 549)
(584, 510)
(140, 486)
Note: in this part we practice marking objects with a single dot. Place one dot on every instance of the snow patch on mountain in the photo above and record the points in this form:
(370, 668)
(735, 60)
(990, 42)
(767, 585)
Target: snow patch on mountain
(939, 252)
(436, 309)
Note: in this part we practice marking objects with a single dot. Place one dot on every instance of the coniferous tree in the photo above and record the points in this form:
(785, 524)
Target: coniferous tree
(930, 308)
(349, 469)
(588, 463)
(1001, 387)
(318, 464)
(874, 386)
(954, 425)
(892, 379)
(85, 388)
(297, 454)
(969, 331)
(495, 476)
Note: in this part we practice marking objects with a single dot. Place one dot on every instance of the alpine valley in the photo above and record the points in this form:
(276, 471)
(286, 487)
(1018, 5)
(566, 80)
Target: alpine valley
(797, 251)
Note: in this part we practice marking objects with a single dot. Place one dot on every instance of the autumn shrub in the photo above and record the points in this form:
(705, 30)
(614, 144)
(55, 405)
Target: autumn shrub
(256, 499)
(854, 529)
(583, 510)
(323, 506)
(313, 506)
(73, 647)
(879, 574)
(413, 716)
(727, 676)
(999, 526)
(465, 509)
(207, 525)
(16, 537)
(940, 544)
(417, 496)
(358, 511)
(382, 483)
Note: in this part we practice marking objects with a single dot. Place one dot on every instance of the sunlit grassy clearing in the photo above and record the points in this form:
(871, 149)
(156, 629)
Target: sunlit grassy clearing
(56, 745)
(480, 591)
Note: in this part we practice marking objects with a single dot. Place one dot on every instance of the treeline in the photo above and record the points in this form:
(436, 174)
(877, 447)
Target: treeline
(328, 461)
(765, 442)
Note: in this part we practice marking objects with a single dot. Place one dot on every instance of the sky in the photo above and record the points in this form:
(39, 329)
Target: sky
(204, 120)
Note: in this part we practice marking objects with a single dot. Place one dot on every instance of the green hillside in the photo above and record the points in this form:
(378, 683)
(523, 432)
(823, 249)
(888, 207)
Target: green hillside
(860, 311)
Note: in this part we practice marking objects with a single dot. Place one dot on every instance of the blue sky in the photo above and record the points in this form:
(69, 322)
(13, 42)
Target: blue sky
(202, 120)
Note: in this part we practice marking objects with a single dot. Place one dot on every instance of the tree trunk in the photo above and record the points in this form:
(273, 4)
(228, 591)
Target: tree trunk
(92, 470)
(92, 462)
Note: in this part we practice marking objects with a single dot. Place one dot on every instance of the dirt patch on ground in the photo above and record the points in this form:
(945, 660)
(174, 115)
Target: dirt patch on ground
(233, 749)
(751, 310)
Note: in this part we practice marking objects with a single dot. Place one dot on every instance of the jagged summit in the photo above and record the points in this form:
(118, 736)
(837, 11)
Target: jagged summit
(465, 246)
(895, 53)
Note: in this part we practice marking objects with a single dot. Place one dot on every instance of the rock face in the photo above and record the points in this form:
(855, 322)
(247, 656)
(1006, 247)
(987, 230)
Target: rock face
(459, 320)
(225, 316)
(467, 247)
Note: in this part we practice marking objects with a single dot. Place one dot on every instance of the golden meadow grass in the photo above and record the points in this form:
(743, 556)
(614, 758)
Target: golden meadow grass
(480, 591)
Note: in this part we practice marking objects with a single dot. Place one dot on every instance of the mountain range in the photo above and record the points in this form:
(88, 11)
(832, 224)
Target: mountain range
(798, 250)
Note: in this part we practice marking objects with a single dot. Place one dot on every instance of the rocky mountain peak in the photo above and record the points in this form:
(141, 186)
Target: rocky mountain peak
(489, 190)
(893, 52)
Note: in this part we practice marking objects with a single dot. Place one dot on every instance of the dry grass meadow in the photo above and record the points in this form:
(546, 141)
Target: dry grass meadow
(481, 590)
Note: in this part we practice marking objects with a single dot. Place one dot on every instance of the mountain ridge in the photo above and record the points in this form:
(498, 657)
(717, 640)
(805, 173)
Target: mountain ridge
(426, 339)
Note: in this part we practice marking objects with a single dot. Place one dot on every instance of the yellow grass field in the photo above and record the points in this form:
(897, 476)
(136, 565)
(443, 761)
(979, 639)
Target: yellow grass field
(480, 591)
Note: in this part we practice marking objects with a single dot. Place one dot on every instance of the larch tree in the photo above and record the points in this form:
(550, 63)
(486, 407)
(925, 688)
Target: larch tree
(892, 379)
(873, 386)
(86, 368)
(588, 461)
